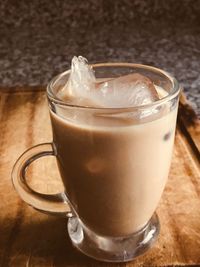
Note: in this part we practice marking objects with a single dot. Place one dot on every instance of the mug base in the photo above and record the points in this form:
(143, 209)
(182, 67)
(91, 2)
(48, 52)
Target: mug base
(113, 249)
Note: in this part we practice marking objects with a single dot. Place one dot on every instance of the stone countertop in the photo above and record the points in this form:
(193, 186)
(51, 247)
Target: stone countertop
(39, 38)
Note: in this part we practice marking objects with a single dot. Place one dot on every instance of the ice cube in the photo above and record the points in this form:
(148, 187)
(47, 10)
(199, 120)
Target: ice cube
(126, 91)
(82, 79)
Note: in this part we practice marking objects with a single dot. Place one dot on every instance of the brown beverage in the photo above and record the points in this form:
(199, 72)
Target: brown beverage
(114, 174)
(113, 132)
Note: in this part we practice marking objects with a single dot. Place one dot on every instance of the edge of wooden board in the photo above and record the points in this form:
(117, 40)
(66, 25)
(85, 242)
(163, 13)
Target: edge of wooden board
(189, 124)
(23, 89)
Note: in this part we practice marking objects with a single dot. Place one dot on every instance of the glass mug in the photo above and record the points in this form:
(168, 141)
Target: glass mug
(114, 164)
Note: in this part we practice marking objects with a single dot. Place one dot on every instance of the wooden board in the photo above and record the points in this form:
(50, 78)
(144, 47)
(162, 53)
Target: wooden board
(30, 238)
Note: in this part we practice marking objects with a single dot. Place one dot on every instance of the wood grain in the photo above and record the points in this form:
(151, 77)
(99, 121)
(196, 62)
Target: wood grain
(29, 238)
(190, 123)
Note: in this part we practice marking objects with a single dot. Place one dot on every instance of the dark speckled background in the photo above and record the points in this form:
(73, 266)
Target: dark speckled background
(39, 38)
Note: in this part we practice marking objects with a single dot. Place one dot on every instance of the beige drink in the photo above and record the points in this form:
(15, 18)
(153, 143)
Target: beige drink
(114, 175)
(113, 131)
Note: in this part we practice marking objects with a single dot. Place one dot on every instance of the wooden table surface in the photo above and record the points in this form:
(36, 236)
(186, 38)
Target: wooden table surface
(29, 238)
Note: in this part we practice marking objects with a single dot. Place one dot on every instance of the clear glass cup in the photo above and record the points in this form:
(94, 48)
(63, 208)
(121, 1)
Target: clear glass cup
(114, 164)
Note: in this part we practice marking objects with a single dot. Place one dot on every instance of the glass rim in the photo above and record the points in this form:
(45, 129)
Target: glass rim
(175, 88)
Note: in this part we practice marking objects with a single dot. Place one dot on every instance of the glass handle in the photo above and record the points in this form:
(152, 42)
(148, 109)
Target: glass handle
(56, 203)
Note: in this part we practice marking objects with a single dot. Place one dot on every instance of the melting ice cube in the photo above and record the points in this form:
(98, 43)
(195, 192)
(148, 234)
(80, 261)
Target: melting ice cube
(126, 91)
(82, 79)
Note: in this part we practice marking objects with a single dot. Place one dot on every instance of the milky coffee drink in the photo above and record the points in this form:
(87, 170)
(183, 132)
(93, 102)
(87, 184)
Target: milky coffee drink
(114, 168)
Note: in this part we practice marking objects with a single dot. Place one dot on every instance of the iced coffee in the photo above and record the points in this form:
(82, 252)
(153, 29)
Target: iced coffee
(113, 130)
(114, 146)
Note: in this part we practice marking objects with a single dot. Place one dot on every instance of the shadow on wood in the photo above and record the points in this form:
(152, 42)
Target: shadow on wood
(41, 242)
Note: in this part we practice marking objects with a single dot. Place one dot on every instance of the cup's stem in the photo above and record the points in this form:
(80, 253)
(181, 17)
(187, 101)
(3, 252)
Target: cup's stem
(113, 249)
